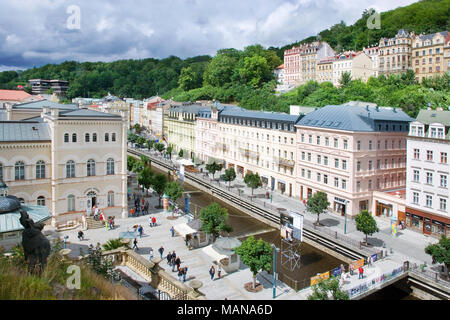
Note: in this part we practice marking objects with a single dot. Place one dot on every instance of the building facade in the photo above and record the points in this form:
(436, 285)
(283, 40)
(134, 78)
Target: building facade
(428, 173)
(428, 55)
(348, 152)
(325, 70)
(395, 53)
(372, 52)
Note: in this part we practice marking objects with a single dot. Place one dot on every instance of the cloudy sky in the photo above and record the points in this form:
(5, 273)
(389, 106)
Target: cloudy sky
(37, 32)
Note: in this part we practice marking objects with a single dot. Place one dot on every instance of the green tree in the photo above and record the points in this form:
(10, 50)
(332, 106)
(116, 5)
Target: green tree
(440, 252)
(169, 152)
(159, 147)
(230, 175)
(174, 191)
(214, 220)
(159, 183)
(187, 79)
(130, 162)
(326, 288)
(255, 71)
(180, 154)
(112, 244)
(317, 204)
(252, 180)
(138, 166)
(146, 161)
(149, 144)
(145, 177)
(141, 141)
(345, 79)
(256, 254)
(366, 223)
(220, 70)
(213, 167)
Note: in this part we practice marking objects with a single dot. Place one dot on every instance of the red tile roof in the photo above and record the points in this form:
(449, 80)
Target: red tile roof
(13, 95)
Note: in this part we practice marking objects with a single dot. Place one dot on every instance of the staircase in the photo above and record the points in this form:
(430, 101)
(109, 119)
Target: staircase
(93, 224)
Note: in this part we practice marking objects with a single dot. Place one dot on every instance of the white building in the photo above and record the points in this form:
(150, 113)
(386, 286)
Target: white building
(428, 172)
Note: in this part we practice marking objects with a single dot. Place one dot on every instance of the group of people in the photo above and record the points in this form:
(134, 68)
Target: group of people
(140, 205)
(139, 229)
(212, 272)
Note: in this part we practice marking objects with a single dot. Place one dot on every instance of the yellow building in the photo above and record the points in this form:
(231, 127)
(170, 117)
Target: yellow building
(428, 51)
(395, 53)
(325, 70)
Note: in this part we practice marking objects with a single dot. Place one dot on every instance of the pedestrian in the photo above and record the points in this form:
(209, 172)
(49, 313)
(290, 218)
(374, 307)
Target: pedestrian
(369, 261)
(80, 235)
(212, 272)
(161, 251)
(351, 269)
(180, 274)
(135, 247)
(178, 262)
(150, 254)
(141, 231)
(342, 269)
(361, 273)
(185, 269)
(173, 262)
(219, 271)
(154, 221)
(172, 230)
(169, 258)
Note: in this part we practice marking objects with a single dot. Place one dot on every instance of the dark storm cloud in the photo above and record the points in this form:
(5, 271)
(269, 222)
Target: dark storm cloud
(35, 32)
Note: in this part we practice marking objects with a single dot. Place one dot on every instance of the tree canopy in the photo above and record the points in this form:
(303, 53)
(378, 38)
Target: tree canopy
(214, 220)
(366, 223)
(317, 204)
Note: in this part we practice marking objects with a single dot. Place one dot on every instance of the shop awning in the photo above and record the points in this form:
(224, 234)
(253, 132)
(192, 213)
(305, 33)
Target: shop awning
(183, 229)
(216, 256)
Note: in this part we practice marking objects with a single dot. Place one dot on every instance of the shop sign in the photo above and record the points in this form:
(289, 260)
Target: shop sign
(417, 217)
(437, 222)
(323, 276)
(339, 200)
(427, 220)
(358, 263)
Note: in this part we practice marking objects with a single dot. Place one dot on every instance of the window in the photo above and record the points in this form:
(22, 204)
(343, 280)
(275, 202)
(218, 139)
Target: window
(70, 169)
(358, 145)
(443, 181)
(336, 163)
(344, 184)
(110, 166)
(110, 199)
(358, 166)
(19, 171)
(303, 173)
(310, 138)
(325, 179)
(74, 137)
(336, 182)
(94, 137)
(370, 164)
(378, 164)
(86, 137)
(443, 204)
(358, 186)
(303, 137)
(318, 177)
(41, 201)
(292, 140)
(303, 155)
(416, 176)
(325, 161)
(318, 140)
(90, 168)
(71, 203)
(319, 159)
(444, 157)
(379, 145)
(370, 145)
(416, 154)
(415, 198)
(309, 156)
(344, 164)
(106, 137)
(429, 155)
(370, 185)
(1, 172)
(336, 143)
(309, 174)
(429, 178)
(429, 201)
(40, 169)
(327, 141)
(66, 137)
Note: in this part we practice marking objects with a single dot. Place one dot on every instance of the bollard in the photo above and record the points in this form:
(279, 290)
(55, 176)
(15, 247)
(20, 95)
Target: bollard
(335, 234)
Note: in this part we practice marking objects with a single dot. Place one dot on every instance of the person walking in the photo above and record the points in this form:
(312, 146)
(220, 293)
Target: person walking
(185, 269)
(361, 273)
(161, 251)
(212, 272)
(180, 274)
(173, 262)
(369, 261)
(135, 247)
(172, 230)
(80, 235)
(141, 231)
(169, 258)
(178, 262)
(154, 221)
(219, 271)
(150, 254)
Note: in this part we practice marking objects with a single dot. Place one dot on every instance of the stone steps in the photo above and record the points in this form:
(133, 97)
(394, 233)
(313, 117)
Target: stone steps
(93, 224)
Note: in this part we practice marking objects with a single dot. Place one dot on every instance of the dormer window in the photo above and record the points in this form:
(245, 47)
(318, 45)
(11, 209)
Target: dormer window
(420, 131)
(433, 132)
(440, 133)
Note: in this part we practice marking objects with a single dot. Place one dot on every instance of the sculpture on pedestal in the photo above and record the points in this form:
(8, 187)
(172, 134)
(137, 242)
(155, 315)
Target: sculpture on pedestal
(36, 246)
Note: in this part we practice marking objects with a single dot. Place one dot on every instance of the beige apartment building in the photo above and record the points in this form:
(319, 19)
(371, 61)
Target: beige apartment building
(395, 53)
(357, 64)
(67, 160)
(325, 70)
(428, 52)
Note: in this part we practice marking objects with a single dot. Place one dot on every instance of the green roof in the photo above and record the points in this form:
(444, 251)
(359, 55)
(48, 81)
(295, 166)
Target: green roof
(9, 222)
(434, 116)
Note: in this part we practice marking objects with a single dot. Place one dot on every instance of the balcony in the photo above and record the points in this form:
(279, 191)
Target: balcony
(284, 162)
(249, 153)
(222, 146)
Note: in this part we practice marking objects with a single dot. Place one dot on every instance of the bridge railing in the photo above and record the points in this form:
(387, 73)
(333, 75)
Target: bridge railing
(438, 277)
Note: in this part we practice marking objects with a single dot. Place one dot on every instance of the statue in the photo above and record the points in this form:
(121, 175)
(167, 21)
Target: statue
(36, 246)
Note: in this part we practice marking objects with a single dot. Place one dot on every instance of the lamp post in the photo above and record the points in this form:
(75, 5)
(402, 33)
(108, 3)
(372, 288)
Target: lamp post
(345, 214)
(274, 270)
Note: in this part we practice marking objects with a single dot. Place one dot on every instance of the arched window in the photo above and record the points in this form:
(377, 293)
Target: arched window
(110, 166)
(106, 136)
(110, 199)
(40, 169)
(94, 137)
(86, 137)
(19, 170)
(66, 137)
(41, 201)
(91, 168)
(74, 137)
(71, 203)
(70, 169)
(113, 137)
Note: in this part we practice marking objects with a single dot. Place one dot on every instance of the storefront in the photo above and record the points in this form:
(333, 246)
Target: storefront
(281, 186)
(240, 170)
(427, 223)
(383, 209)
(339, 205)
(265, 181)
(363, 205)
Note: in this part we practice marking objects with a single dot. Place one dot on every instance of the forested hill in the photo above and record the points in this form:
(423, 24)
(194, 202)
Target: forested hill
(427, 16)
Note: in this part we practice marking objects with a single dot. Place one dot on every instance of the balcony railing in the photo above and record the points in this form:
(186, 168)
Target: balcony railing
(284, 162)
(249, 153)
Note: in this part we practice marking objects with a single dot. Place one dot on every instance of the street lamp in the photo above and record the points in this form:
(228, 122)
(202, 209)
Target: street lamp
(274, 270)
(345, 214)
